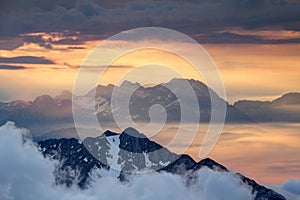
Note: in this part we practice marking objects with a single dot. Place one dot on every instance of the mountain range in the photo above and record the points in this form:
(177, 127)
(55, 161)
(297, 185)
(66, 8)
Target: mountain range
(128, 153)
(283, 109)
(45, 110)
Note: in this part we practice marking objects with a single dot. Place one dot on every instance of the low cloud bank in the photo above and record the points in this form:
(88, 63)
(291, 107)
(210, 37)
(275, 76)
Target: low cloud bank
(292, 186)
(26, 174)
(289, 189)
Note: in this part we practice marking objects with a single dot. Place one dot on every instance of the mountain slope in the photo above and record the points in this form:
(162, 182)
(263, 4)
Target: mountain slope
(283, 109)
(127, 153)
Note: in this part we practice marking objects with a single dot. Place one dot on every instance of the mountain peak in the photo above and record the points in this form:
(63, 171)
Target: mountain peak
(210, 163)
(108, 133)
(288, 99)
(43, 99)
(192, 82)
(133, 132)
(64, 95)
(127, 83)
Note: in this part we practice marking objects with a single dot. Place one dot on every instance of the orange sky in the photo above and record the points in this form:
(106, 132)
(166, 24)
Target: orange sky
(249, 71)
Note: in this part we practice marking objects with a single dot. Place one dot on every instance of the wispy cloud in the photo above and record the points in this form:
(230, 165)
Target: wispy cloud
(26, 60)
(11, 67)
(96, 67)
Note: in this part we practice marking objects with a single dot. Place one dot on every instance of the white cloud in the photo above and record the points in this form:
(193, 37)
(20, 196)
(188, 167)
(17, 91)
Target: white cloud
(289, 189)
(25, 175)
(23, 170)
(292, 186)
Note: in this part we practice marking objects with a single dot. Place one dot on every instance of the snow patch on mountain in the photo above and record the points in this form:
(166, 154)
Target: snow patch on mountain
(112, 156)
(148, 163)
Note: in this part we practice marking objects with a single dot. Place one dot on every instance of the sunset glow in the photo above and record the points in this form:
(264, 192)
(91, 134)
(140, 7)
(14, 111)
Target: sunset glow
(46, 47)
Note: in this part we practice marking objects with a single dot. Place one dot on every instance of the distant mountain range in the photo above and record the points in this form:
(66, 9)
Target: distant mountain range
(284, 109)
(125, 154)
(45, 110)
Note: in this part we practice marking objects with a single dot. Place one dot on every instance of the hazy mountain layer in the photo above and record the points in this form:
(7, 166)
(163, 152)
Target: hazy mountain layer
(284, 109)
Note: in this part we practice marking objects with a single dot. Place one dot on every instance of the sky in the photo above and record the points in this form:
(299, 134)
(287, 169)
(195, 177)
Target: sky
(255, 44)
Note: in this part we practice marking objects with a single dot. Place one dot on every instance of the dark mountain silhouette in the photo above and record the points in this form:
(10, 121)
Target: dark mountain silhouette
(130, 152)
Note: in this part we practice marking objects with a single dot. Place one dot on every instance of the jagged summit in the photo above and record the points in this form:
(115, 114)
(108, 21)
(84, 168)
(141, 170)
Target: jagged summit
(133, 132)
(208, 162)
(64, 95)
(108, 133)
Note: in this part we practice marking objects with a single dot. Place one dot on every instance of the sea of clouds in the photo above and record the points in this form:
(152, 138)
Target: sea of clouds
(25, 175)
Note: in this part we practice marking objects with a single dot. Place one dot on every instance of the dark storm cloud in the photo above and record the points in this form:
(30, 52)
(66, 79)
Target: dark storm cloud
(38, 39)
(10, 43)
(100, 19)
(228, 37)
(26, 60)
